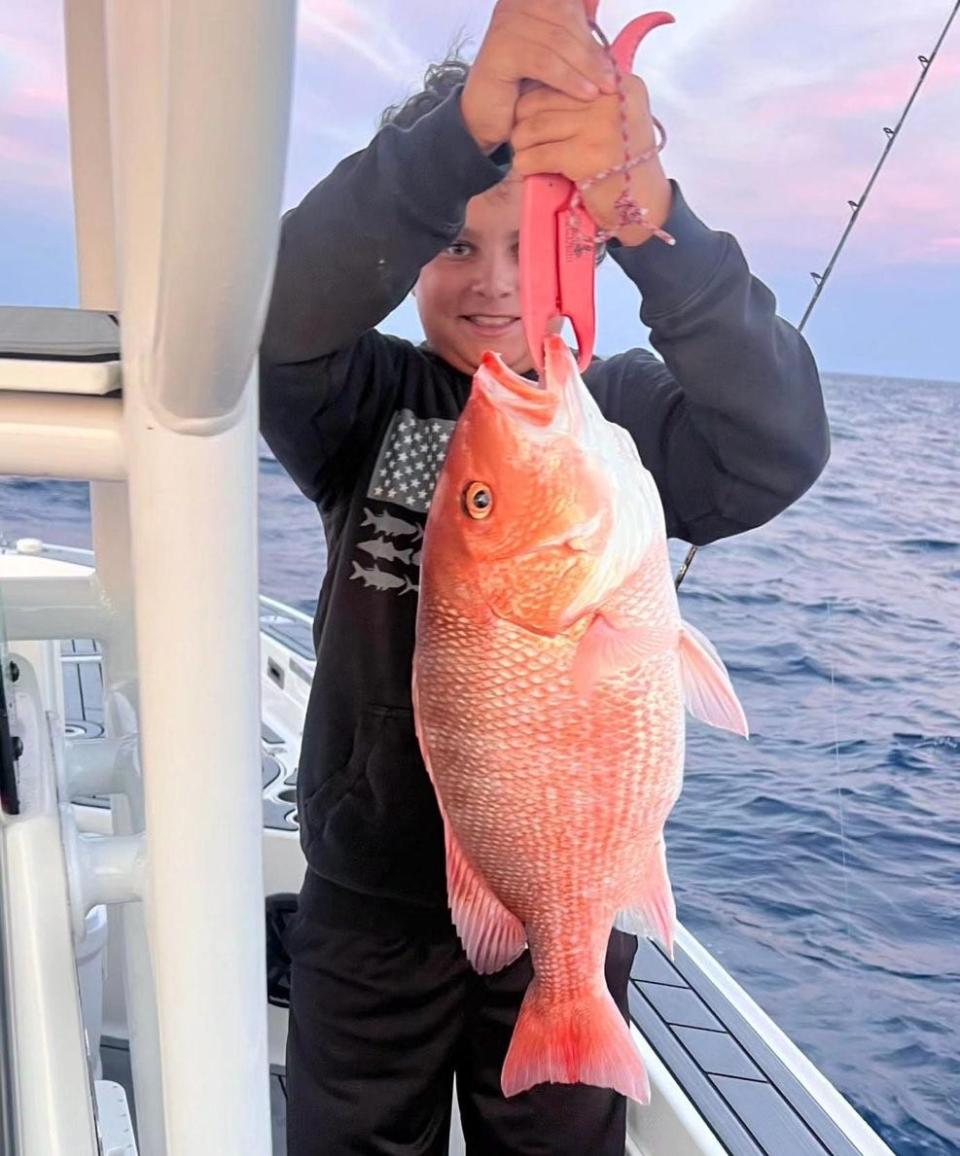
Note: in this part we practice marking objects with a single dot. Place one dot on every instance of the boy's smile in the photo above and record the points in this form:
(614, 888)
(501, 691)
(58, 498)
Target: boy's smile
(469, 295)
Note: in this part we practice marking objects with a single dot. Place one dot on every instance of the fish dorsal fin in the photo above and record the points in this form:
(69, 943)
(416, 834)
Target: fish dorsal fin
(607, 648)
(708, 692)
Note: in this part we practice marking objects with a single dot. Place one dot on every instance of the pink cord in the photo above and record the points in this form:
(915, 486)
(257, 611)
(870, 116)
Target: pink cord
(629, 212)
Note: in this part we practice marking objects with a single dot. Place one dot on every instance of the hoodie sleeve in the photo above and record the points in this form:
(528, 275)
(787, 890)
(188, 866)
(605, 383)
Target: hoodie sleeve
(731, 422)
(349, 254)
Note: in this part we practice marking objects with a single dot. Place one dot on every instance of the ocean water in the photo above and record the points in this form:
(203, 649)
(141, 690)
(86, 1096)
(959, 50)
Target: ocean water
(820, 861)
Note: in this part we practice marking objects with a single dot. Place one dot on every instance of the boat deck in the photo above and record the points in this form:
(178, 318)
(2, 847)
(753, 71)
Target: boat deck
(746, 1093)
(115, 1059)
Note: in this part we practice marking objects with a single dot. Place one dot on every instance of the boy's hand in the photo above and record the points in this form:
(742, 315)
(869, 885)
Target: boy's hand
(555, 134)
(548, 41)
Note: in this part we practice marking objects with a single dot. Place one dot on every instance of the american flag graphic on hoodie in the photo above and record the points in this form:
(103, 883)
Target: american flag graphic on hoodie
(387, 558)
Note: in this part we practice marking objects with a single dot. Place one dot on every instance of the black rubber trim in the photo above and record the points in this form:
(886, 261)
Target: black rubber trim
(752, 1102)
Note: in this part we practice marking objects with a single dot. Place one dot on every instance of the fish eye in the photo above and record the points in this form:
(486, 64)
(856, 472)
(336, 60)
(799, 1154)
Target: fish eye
(477, 500)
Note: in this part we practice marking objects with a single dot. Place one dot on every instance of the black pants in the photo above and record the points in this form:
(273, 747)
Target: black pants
(383, 1017)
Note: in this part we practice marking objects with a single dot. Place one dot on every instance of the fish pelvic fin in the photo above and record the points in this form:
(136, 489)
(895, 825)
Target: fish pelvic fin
(653, 914)
(583, 1041)
(707, 690)
(492, 936)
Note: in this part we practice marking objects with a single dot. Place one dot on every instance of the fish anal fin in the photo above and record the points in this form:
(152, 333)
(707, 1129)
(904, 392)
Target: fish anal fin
(492, 936)
(707, 690)
(653, 913)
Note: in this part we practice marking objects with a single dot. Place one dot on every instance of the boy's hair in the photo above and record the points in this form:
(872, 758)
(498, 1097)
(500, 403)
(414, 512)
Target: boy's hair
(438, 82)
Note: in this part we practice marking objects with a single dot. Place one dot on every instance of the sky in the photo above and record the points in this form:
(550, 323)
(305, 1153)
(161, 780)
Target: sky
(775, 113)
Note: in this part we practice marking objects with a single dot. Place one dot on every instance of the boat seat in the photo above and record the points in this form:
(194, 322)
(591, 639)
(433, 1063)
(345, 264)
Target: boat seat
(50, 350)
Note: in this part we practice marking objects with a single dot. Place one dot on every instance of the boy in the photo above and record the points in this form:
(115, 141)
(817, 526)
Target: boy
(384, 1007)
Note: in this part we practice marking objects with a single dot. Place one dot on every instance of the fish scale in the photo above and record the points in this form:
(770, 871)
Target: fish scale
(527, 755)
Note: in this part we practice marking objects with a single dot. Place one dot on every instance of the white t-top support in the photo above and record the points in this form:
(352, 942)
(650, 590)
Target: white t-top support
(93, 198)
(177, 197)
(200, 93)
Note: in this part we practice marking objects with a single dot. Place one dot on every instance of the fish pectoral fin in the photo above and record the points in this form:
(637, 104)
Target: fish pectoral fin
(492, 936)
(707, 690)
(653, 915)
(606, 648)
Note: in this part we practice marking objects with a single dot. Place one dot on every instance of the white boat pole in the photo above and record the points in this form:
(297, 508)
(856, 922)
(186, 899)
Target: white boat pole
(200, 93)
(58, 436)
(93, 196)
(90, 158)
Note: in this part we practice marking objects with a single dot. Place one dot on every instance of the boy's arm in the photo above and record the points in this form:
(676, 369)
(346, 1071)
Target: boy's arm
(731, 424)
(349, 254)
(352, 250)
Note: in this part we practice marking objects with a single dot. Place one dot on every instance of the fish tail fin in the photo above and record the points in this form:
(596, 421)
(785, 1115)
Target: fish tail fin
(357, 570)
(582, 1041)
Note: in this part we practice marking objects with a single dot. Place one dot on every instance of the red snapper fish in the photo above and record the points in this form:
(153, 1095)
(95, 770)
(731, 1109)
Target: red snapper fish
(551, 675)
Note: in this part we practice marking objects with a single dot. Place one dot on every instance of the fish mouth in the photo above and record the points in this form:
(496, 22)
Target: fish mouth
(498, 373)
(552, 402)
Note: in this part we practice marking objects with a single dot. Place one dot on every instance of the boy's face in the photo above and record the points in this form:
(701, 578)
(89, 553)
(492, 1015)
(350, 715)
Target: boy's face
(469, 295)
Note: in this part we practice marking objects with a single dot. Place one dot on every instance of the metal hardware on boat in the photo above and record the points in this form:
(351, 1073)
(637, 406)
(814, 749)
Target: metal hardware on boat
(99, 766)
(101, 869)
(64, 606)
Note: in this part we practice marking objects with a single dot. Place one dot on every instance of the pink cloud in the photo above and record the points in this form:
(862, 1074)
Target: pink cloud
(32, 59)
(880, 91)
(778, 122)
(775, 116)
(46, 168)
(367, 32)
(314, 17)
(33, 112)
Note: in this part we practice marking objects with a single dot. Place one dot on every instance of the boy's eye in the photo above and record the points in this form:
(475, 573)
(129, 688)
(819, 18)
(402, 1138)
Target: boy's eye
(459, 249)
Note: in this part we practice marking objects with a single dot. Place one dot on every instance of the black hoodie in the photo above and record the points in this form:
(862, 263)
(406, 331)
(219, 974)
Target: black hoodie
(730, 423)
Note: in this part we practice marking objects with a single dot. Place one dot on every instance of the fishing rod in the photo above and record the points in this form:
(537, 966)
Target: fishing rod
(821, 279)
